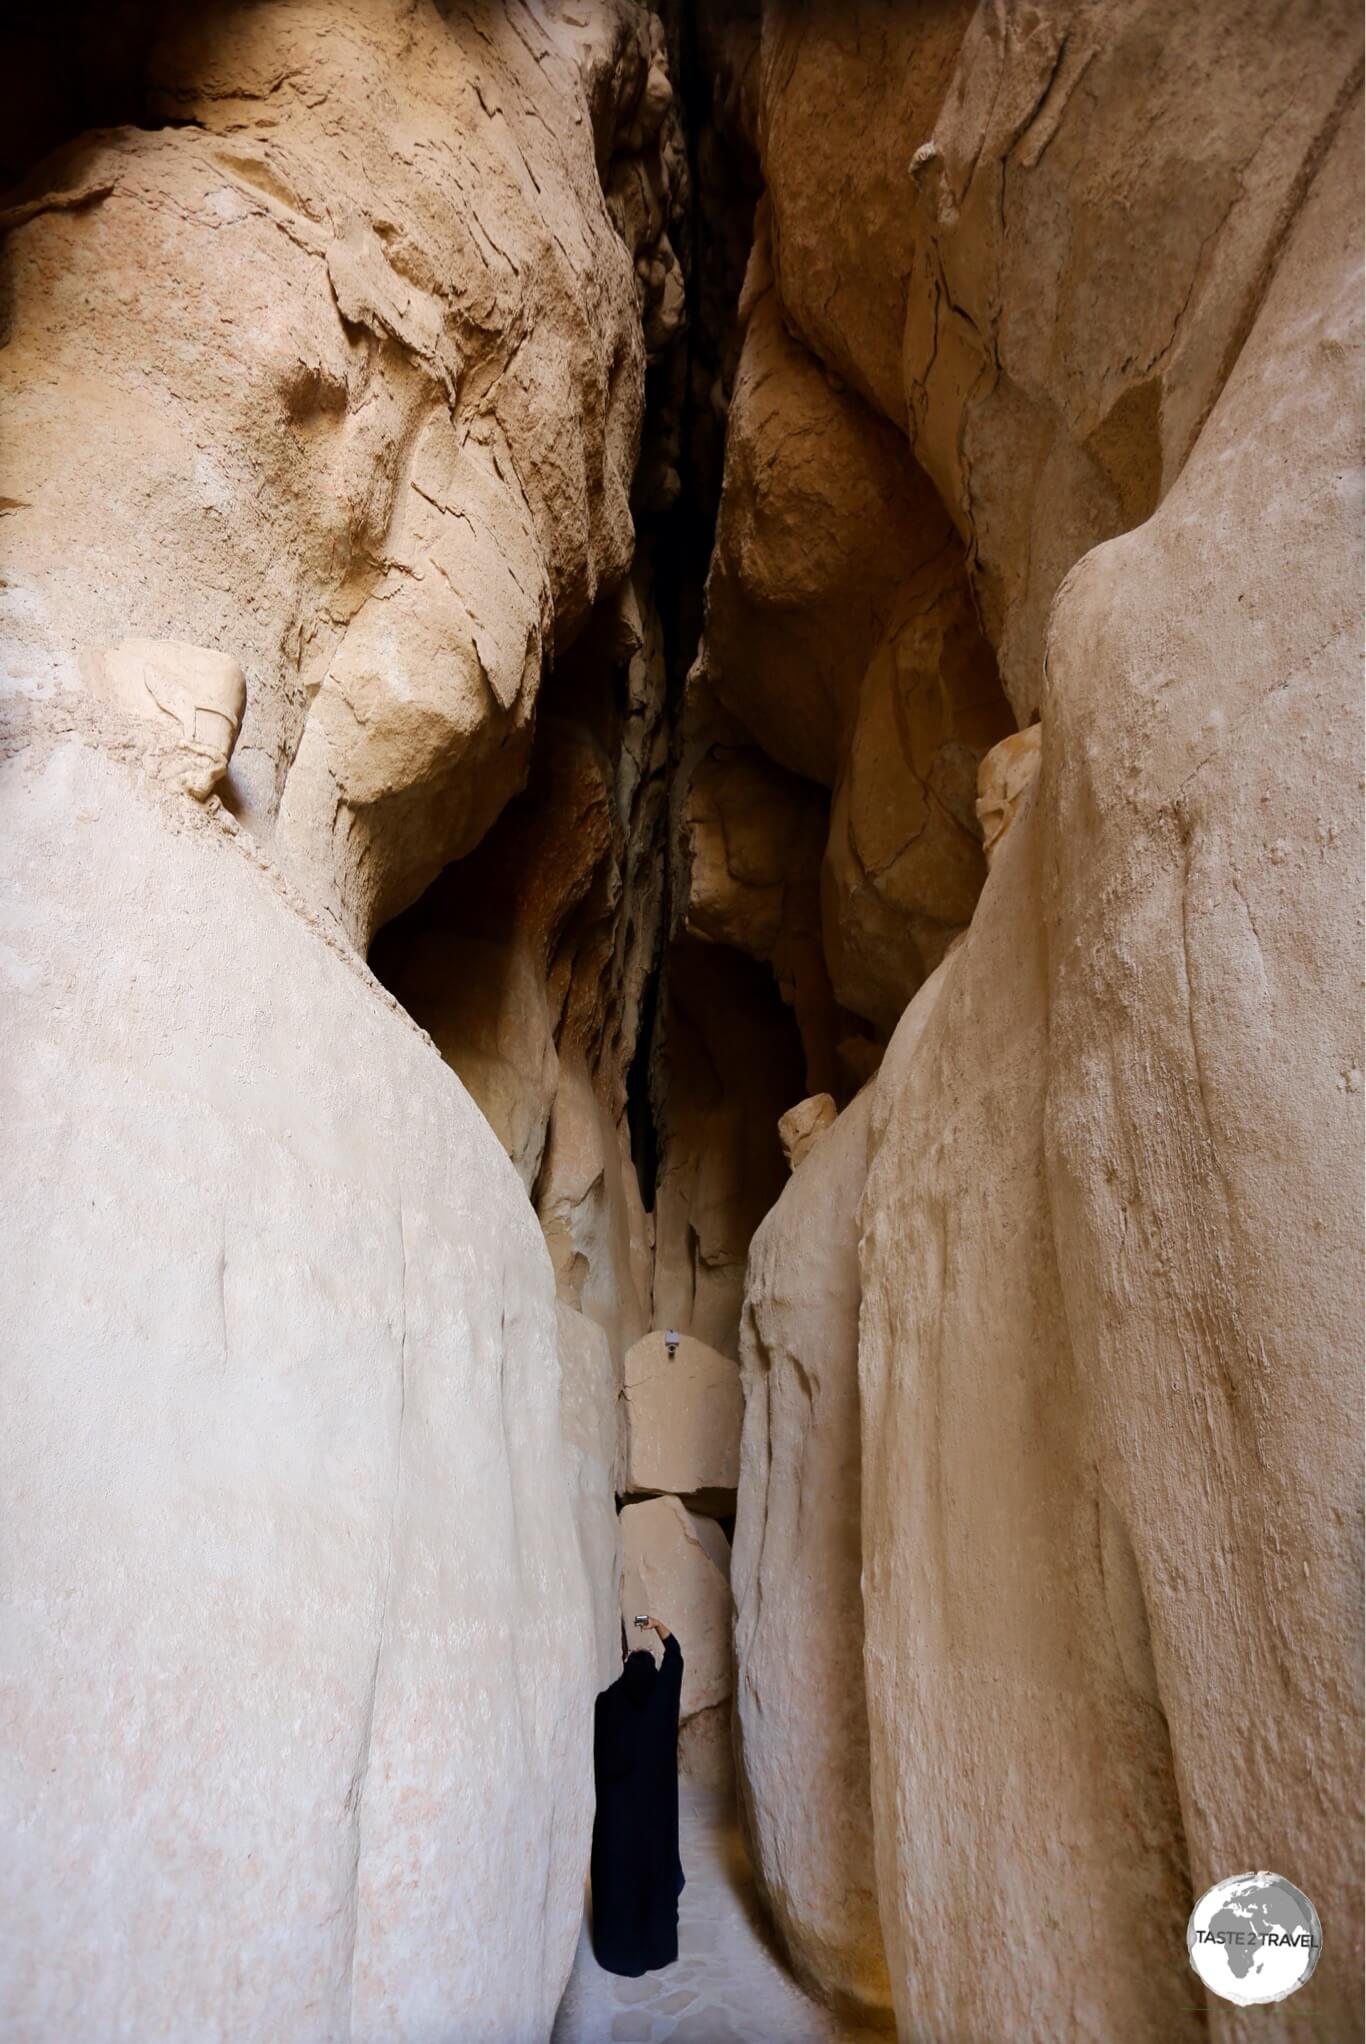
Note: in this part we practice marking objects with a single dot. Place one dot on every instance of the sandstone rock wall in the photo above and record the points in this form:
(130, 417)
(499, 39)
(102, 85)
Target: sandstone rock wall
(801, 1713)
(324, 386)
(1080, 1216)
(296, 1610)
(401, 473)
(1053, 158)
(1018, 1752)
(1078, 1343)
(1202, 1145)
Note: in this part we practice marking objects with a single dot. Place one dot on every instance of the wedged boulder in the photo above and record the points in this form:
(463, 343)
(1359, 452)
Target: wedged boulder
(841, 632)
(676, 1567)
(800, 1709)
(682, 1417)
(295, 1602)
(752, 839)
(801, 1128)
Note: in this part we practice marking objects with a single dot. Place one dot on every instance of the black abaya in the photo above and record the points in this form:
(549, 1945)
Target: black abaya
(636, 1871)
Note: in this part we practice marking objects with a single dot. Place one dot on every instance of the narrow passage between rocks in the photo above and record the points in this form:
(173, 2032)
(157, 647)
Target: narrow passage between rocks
(728, 1986)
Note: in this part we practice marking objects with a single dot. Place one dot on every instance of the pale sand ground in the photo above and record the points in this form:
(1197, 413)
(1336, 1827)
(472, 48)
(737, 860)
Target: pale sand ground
(728, 1985)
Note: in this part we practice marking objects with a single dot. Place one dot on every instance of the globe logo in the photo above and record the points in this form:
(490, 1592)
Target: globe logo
(1254, 1937)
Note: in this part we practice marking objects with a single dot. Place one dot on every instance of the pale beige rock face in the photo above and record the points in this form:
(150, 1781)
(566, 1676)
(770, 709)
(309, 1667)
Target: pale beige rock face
(326, 394)
(1126, 1231)
(194, 697)
(1204, 1143)
(800, 1706)
(400, 473)
(676, 1567)
(682, 1417)
(588, 1428)
(296, 1606)
(1014, 1736)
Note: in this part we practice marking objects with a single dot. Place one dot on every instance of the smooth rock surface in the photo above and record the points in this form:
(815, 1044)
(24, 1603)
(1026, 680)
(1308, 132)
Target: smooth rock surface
(1015, 1729)
(1111, 1211)
(294, 1607)
(1204, 1143)
(801, 1713)
(588, 1428)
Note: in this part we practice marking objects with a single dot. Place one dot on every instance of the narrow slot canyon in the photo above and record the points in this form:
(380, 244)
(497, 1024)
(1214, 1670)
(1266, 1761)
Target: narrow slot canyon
(681, 858)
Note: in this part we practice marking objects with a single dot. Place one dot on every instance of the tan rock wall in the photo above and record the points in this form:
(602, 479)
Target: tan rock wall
(1111, 1334)
(1108, 1219)
(296, 1609)
(1005, 177)
(1020, 1766)
(325, 395)
(801, 1712)
(1204, 1143)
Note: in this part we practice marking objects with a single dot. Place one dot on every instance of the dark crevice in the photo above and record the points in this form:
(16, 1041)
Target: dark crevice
(72, 66)
(639, 1106)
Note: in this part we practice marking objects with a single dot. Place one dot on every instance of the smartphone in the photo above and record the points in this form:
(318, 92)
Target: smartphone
(641, 1621)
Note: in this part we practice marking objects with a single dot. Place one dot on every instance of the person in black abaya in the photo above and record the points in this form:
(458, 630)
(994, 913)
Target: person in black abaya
(637, 1875)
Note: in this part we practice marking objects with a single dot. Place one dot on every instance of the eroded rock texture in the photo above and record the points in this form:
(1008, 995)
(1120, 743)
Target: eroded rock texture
(324, 380)
(841, 633)
(401, 473)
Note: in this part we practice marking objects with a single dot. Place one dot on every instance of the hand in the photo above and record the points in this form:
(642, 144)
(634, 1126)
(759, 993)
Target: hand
(660, 1628)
